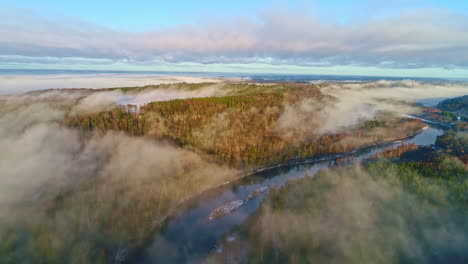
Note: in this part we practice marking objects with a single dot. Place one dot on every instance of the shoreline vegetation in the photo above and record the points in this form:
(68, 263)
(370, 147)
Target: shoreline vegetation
(294, 162)
(223, 136)
(288, 163)
(452, 113)
(420, 190)
(185, 123)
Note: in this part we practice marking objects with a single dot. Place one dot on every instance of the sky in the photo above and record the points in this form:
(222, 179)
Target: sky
(420, 38)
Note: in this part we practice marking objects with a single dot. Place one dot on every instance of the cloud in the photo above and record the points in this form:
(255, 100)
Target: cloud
(42, 155)
(23, 83)
(110, 184)
(107, 100)
(350, 104)
(351, 216)
(413, 39)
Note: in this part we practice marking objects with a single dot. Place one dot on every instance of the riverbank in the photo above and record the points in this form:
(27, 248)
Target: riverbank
(203, 209)
(299, 161)
(381, 204)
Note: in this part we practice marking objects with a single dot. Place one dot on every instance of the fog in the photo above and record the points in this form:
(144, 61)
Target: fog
(350, 104)
(59, 184)
(40, 150)
(107, 100)
(41, 155)
(118, 187)
(19, 84)
(351, 215)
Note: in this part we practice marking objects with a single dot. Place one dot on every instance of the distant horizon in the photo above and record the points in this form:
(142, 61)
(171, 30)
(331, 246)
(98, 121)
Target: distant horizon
(221, 74)
(23, 80)
(425, 39)
(278, 131)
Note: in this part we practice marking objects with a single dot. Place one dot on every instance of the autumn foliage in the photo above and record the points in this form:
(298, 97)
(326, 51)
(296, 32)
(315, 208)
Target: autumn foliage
(241, 130)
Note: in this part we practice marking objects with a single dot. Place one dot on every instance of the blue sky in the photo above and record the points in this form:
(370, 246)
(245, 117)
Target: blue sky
(420, 37)
(146, 15)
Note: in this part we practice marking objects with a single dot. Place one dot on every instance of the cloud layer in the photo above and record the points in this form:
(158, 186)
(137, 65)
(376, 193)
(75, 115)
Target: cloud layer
(40, 151)
(414, 39)
(17, 84)
(353, 103)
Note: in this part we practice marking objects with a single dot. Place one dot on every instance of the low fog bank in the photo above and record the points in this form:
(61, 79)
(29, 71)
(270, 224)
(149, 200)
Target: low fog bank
(71, 197)
(14, 84)
(107, 100)
(352, 103)
(115, 186)
(356, 215)
(40, 155)
(39, 150)
(85, 101)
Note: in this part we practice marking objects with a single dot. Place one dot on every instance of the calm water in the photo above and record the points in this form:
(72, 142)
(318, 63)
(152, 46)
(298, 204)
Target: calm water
(190, 236)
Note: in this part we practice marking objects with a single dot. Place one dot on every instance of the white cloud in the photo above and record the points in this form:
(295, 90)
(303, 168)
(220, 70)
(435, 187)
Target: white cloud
(420, 38)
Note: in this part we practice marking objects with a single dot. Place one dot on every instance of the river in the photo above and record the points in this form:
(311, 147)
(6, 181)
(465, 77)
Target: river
(189, 236)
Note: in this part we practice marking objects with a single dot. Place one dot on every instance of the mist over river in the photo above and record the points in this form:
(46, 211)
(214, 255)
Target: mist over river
(189, 236)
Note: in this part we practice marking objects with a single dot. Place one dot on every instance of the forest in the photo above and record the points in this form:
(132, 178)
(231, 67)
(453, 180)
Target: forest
(107, 175)
(454, 143)
(448, 111)
(241, 130)
(458, 105)
(398, 151)
(341, 215)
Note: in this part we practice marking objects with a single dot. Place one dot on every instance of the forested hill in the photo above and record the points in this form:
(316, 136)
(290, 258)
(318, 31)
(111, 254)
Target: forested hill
(248, 129)
(395, 211)
(448, 112)
(458, 105)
